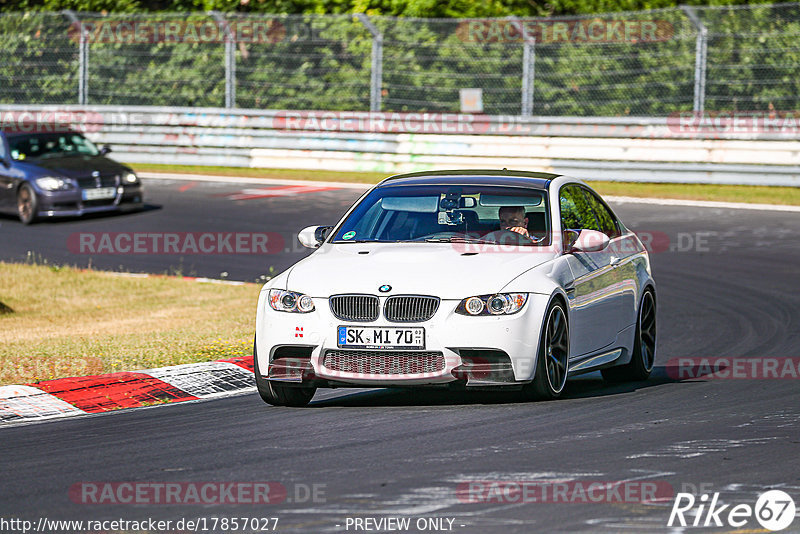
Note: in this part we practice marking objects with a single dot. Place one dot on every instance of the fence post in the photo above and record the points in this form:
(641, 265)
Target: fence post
(83, 57)
(376, 71)
(700, 59)
(528, 75)
(230, 59)
(528, 67)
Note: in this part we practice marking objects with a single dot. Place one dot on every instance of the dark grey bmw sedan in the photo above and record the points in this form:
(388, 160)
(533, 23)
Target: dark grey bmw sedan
(61, 173)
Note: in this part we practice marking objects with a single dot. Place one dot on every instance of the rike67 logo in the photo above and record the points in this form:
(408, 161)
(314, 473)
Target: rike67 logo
(774, 510)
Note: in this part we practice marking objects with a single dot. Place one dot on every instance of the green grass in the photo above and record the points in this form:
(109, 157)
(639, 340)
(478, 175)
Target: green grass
(67, 322)
(721, 193)
(283, 174)
(756, 194)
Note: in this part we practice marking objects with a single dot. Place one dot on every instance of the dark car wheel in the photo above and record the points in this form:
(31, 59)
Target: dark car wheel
(644, 346)
(279, 394)
(27, 204)
(552, 363)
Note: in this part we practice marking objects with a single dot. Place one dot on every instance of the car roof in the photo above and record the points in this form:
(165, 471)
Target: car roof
(34, 129)
(539, 180)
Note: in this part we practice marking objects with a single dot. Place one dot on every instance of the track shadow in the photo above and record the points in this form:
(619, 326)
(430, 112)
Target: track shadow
(88, 217)
(585, 386)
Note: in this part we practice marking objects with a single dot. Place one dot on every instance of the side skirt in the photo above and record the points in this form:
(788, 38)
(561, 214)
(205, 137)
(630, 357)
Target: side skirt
(594, 363)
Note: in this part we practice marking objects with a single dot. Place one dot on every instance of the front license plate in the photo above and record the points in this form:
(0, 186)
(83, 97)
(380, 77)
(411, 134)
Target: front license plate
(388, 337)
(99, 193)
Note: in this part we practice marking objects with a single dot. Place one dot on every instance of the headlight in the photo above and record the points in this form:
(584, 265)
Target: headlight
(290, 301)
(129, 178)
(51, 183)
(497, 304)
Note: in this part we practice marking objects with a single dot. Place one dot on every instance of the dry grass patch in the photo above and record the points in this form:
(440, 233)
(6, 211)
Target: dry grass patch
(70, 323)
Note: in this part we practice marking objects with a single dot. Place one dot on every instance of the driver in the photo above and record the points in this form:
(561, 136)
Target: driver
(512, 218)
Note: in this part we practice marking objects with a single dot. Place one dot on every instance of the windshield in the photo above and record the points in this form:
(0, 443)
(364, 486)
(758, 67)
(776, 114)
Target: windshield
(50, 145)
(448, 213)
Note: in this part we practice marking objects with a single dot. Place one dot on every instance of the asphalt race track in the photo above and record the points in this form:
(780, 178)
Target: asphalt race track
(727, 287)
(185, 206)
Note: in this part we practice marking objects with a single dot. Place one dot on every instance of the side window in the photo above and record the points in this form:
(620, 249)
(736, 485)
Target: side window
(2, 147)
(608, 224)
(576, 212)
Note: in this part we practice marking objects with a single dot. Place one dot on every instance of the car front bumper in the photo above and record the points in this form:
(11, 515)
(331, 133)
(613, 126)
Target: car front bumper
(71, 203)
(473, 349)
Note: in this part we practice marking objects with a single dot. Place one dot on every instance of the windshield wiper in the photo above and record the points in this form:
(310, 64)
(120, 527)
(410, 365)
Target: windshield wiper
(459, 239)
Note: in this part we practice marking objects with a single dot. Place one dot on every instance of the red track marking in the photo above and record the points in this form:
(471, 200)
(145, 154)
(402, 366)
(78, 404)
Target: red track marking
(186, 187)
(282, 191)
(102, 393)
(244, 361)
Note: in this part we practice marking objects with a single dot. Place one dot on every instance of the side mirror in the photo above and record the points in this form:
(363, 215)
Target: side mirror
(105, 150)
(590, 241)
(313, 236)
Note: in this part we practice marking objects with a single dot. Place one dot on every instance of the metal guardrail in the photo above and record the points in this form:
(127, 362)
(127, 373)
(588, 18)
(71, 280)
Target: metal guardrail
(608, 148)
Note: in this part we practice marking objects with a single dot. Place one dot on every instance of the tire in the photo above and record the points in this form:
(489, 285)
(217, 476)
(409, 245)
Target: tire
(644, 346)
(27, 204)
(278, 394)
(552, 362)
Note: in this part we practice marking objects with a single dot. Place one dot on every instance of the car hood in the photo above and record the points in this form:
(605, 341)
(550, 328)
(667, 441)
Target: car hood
(79, 166)
(449, 271)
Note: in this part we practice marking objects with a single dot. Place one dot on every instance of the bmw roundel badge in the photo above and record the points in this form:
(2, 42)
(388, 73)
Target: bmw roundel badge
(385, 288)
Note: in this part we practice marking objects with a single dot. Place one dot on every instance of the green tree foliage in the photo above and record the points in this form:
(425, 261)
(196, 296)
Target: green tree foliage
(399, 8)
(39, 59)
(323, 62)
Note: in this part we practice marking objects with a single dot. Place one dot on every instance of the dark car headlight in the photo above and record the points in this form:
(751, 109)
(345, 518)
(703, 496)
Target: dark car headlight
(53, 183)
(130, 178)
(495, 304)
(290, 301)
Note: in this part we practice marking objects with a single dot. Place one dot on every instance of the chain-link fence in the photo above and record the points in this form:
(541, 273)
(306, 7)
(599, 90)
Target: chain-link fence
(646, 63)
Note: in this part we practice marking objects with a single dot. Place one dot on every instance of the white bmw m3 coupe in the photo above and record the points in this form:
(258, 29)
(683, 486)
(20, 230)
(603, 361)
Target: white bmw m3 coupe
(461, 279)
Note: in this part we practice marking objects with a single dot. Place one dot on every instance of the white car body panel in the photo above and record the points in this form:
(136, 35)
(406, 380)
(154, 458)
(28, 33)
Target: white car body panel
(601, 291)
(445, 271)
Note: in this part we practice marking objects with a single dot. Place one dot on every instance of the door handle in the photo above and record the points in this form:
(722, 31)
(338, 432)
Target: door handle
(614, 261)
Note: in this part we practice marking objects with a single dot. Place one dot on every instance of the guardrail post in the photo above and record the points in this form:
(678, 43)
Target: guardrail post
(83, 57)
(376, 70)
(700, 59)
(528, 67)
(230, 60)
